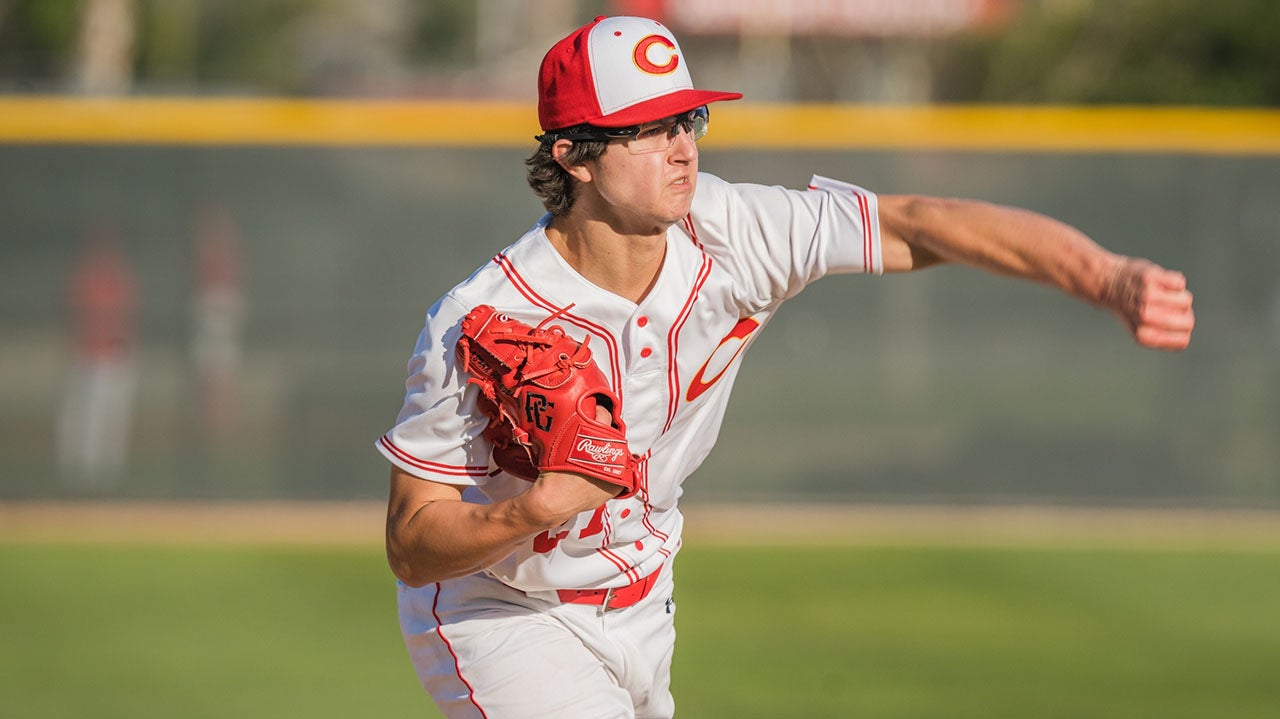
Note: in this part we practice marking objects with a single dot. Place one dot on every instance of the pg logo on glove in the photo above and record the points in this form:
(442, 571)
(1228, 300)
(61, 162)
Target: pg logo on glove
(535, 408)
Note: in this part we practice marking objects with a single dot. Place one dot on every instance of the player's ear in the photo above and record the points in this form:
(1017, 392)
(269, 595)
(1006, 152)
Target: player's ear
(560, 151)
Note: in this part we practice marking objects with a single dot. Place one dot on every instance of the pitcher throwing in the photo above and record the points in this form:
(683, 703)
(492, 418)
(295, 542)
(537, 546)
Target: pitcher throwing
(559, 397)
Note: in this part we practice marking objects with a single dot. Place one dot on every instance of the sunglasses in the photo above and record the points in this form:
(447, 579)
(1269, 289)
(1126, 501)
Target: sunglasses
(650, 137)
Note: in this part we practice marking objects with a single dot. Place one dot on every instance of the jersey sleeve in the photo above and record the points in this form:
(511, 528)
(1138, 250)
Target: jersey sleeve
(776, 241)
(437, 433)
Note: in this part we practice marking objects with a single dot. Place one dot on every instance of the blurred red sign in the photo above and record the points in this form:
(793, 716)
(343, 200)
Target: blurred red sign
(880, 18)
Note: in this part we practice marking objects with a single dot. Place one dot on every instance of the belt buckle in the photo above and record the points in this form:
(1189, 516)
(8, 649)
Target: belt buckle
(608, 598)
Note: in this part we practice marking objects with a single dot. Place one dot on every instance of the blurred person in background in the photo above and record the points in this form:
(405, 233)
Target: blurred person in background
(218, 314)
(96, 417)
(554, 597)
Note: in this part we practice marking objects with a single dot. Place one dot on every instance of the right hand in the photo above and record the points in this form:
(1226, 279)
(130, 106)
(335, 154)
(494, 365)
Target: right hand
(565, 494)
(1153, 303)
(559, 496)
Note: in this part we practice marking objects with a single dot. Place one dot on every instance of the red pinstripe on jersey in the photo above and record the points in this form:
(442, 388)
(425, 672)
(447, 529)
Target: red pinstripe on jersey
(526, 290)
(617, 560)
(607, 535)
(451, 470)
(621, 563)
(643, 470)
(457, 664)
(867, 255)
(673, 337)
(864, 209)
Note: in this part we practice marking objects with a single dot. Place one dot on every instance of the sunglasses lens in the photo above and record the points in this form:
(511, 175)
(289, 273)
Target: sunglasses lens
(698, 121)
(660, 136)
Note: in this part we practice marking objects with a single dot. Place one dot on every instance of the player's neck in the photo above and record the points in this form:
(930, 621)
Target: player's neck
(624, 264)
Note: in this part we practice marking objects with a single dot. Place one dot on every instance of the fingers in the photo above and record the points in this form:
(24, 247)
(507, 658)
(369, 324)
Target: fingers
(1158, 307)
(1168, 279)
(608, 488)
(1170, 341)
(568, 493)
(598, 409)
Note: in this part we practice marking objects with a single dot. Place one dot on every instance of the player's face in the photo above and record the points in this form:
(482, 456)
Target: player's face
(648, 192)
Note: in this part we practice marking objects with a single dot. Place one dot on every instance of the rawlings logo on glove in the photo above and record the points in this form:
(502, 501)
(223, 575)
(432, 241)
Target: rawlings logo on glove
(541, 390)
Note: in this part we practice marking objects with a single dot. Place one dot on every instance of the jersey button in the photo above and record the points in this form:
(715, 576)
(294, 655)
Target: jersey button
(642, 321)
(646, 352)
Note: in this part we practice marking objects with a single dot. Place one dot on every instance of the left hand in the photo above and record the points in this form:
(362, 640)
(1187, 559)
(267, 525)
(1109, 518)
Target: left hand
(1153, 303)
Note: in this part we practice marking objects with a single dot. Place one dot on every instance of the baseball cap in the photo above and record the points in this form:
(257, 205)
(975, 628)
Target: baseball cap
(616, 72)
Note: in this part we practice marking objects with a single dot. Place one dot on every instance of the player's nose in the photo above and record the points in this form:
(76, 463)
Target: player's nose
(683, 147)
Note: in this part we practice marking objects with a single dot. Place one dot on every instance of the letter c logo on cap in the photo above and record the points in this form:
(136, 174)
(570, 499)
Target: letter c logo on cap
(641, 56)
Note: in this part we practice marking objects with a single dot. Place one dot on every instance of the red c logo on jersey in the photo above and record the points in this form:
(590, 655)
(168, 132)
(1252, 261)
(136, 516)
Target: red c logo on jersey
(724, 354)
(641, 56)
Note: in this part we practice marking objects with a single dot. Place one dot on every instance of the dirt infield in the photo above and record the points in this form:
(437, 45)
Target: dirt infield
(360, 523)
(341, 523)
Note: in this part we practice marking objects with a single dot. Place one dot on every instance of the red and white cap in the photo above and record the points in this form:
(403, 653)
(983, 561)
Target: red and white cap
(616, 72)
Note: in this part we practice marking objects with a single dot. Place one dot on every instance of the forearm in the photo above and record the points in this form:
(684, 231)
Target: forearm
(432, 535)
(1153, 302)
(446, 538)
(1003, 240)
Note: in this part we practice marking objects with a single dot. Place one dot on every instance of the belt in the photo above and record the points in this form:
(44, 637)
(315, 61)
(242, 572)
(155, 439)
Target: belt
(612, 597)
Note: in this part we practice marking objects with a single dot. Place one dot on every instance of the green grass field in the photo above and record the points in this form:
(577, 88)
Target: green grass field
(91, 630)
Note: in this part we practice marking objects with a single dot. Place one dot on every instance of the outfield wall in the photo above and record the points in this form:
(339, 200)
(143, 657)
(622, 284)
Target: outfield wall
(944, 386)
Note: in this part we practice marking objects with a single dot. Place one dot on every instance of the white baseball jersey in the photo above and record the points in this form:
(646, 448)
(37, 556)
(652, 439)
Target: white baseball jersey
(672, 359)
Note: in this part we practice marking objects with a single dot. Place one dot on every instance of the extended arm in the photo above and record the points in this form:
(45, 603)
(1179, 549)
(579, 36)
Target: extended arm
(1153, 302)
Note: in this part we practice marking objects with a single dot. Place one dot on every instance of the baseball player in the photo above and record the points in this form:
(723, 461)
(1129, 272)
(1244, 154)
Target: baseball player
(559, 396)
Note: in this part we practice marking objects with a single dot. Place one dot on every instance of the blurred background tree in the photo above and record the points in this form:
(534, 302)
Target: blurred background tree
(35, 41)
(1212, 52)
(244, 46)
(1219, 52)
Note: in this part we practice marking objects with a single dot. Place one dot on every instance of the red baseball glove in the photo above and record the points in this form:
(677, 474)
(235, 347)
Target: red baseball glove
(540, 389)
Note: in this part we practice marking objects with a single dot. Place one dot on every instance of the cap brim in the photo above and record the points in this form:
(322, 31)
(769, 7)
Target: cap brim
(665, 106)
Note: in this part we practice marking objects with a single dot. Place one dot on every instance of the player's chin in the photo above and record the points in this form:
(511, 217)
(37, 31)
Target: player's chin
(672, 217)
(678, 203)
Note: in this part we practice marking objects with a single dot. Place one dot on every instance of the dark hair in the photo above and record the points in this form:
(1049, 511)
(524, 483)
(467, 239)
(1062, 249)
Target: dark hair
(550, 182)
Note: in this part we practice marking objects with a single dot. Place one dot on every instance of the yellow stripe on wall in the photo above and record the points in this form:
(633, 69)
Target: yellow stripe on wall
(285, 122)
(997, 128)
(263, 122)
